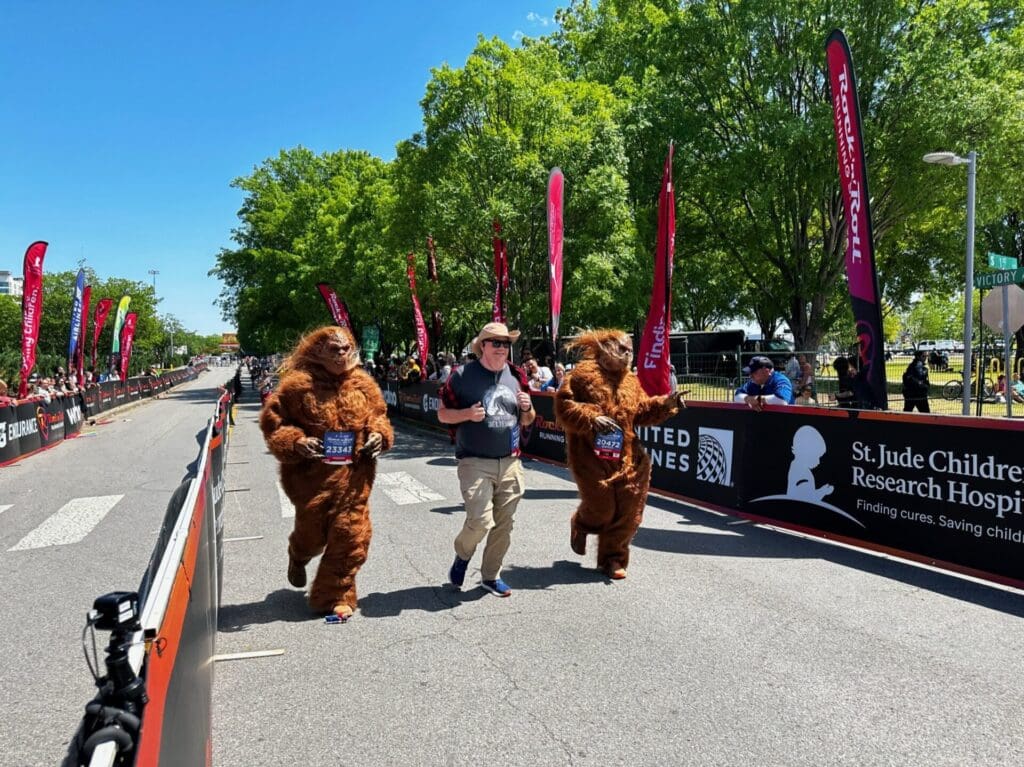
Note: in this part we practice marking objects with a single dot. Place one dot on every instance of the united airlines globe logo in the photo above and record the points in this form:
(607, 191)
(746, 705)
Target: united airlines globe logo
(710, 460)
(714, 456)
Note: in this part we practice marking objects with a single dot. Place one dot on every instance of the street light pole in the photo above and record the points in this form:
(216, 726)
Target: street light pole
(949, 158)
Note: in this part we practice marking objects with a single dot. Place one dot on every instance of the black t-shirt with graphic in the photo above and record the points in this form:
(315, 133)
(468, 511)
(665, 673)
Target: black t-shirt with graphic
(497, 436)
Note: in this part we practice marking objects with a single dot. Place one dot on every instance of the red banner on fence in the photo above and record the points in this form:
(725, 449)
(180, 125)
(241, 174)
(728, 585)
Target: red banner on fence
(31, 310)
(653, 356)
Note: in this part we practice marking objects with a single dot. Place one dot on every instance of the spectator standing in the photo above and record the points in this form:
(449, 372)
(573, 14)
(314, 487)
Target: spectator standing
(805, 397)
(555, 382)
(845, 396)
(915, 385)
(793, 369)
(766, 385)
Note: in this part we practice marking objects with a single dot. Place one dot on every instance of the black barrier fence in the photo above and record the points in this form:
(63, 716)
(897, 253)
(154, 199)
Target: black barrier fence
(173, 643)
(36, 424)
(944, 491)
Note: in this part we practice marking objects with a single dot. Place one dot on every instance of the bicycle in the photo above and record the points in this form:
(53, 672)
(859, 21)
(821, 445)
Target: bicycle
(954, 389)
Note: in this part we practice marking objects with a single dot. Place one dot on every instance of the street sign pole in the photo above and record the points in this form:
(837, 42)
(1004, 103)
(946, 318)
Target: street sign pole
(1007, 395)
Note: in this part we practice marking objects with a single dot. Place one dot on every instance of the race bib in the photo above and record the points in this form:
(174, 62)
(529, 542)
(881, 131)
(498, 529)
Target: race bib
(339, 446)
(609, 446)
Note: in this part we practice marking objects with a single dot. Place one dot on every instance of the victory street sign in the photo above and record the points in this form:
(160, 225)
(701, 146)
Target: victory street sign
(995, 279)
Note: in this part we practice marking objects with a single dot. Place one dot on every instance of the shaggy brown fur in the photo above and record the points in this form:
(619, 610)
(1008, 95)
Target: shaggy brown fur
(324, 389)
(612, 493)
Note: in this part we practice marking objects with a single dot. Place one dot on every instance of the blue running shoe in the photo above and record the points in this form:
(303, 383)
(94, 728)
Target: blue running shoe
(457, 572)
(497, 587)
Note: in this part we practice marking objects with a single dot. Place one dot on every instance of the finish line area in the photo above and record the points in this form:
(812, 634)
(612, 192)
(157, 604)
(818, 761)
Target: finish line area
(728, 643)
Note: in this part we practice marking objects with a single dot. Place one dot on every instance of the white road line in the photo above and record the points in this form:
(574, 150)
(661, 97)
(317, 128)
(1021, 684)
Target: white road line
(70, 524)
(5, 507)
(287, 510)
(403, 489)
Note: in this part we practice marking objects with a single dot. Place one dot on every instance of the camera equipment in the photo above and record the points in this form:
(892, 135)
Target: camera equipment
(114, 715)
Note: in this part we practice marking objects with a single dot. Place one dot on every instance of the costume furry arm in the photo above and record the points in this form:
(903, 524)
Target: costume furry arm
(574, 410)
(280, 420)
(377, 417)
(654, 410)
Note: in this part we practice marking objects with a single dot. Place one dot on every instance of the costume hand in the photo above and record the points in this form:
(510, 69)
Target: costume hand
(309, 447)
(476, 412)
(679, 398)
(604, 424)
(524, 401)
(373, 445)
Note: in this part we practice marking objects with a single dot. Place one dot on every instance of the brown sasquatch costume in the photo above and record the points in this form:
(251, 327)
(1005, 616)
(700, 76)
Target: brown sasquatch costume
(324, 389)
(600, 395)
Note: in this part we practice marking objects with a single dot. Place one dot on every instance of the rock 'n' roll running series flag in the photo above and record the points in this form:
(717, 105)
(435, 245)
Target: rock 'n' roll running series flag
(556, 185)
(83, 328)
(122, 311)
(127, 336)
(500, 274)
(860, 253)
(31, 310)
(103, 307)
(76, 319)
(422, 340)
(336, 306)
(653, 356)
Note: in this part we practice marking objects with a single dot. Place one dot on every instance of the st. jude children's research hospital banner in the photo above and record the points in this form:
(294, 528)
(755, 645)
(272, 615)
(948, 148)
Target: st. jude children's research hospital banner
(943, 491)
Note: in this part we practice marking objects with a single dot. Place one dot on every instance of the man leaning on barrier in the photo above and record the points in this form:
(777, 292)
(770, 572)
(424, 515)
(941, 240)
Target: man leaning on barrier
(765, 387)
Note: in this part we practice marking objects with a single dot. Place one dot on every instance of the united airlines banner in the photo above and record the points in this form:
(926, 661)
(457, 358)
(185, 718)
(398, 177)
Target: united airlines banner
(556, 188)
(652, 360)
(860, 260)
(31, 310)
(76, 318)
(336, 307)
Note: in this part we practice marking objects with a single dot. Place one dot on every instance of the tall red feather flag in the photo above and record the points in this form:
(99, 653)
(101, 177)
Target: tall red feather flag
(653, 356)
(556, 186)
(861, 276)
(422, 340)
(431, 260)
(31, 310)
(335, 306)
(500, 274)
(103, 307)
(127, 337)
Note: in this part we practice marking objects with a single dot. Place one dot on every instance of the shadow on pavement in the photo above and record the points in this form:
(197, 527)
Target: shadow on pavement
(748, 540)
(559, 573)
(287, 605)
(429, 599)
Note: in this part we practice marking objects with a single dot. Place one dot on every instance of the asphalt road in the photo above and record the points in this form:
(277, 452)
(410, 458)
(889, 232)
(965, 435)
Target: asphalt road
(729, 644)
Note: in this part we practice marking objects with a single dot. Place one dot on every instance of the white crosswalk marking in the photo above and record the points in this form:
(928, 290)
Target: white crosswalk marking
(403, 489)
(70, 524)
(287, 509)
(5, 507)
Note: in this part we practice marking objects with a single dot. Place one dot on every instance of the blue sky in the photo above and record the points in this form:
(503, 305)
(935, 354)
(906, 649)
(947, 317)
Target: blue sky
(124, 123)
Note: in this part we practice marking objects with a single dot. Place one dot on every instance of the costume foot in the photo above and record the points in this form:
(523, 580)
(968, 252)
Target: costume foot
(296, 574)
(615, 571)
(578, 541)
(343, 611)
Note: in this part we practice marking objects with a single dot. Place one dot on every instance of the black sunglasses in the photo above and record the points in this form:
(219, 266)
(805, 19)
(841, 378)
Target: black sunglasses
(499, 344)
